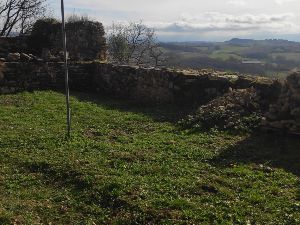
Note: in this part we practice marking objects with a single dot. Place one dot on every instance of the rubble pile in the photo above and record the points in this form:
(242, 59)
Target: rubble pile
(239, 109)
(19, 57)
(24, 57)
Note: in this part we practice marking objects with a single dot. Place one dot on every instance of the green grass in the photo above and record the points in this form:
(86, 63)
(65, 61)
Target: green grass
(224, 55)
(295, 56)
(234, 49)
(128, 164)
(276, 74)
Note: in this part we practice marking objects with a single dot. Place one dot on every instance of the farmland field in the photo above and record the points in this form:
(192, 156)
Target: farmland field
(276, 57)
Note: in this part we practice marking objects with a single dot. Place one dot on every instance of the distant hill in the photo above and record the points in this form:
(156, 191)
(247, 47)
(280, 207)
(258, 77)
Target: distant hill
(276, 57)
(245, 42)
(234, 41)
(238, 41)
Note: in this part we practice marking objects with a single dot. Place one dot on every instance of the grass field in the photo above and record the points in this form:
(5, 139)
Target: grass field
(278, 57)
(129, 164)
(295, 56)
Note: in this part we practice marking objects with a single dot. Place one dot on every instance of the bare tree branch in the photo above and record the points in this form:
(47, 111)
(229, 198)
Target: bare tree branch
(18, 15)
(133, 44)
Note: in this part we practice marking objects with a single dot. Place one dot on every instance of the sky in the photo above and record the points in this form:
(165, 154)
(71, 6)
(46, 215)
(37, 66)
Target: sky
(197, 20)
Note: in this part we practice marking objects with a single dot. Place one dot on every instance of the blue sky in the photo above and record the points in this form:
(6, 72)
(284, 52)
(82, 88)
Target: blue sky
(197, 20)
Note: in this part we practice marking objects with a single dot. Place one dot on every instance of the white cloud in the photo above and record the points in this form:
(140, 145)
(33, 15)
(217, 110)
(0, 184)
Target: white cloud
(280, 2)
(238, 3)
(215, 25)
(233, 17)
(215, 21)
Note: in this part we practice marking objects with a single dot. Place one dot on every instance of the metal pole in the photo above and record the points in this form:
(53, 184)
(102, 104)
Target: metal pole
(66, 69)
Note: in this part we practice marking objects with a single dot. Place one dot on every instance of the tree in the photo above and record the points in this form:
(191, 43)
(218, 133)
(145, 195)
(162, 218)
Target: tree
(157, 55)
(133, 43)
(119, 50)
(73, 18)
(19, 15)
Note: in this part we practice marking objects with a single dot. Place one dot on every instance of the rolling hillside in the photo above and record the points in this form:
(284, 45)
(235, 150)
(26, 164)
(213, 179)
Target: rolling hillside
(273, 58)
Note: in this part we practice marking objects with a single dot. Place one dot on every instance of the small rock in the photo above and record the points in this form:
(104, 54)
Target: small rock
(61, 55)
(296, 112)
(209, 189)
(54, 59)
(32, 56)
(25, 57)
(46, 54)
(13, 57)
(266, 169)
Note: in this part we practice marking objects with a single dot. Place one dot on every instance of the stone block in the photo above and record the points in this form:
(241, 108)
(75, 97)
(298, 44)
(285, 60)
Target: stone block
(13, 57)
(25, 57)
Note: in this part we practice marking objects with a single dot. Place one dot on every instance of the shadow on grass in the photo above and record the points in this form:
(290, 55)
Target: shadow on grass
(83, 186)
(88, 192)
(158, 112)
(298, 192)
(270, 149)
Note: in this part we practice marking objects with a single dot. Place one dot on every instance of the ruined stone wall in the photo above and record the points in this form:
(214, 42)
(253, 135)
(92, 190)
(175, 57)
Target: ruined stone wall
(12, 44)
(184, 87)
(285, 113)
(280, 101)
(135, 83)
(86, 41)
(28, 76)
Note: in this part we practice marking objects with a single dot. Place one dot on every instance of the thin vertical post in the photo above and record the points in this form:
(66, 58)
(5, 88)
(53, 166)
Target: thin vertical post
(64, 37)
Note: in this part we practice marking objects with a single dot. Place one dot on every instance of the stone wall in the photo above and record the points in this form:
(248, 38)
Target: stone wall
(280, 101)
(173, 86)
(285, 113)
(86, 41)
(21, 76)
(136, 83)
(12, 44)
